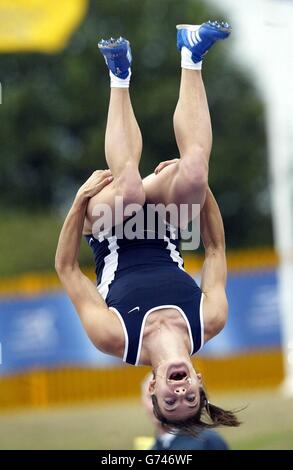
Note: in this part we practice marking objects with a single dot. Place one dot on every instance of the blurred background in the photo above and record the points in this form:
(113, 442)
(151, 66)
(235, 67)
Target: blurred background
(56, 390)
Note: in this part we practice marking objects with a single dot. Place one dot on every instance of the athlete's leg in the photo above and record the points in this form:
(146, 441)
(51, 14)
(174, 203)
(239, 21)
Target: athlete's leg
(186, 180)
(123, 146)
(123, 142)
(193, 132)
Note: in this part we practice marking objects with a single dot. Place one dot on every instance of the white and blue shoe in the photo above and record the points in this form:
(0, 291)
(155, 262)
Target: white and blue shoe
(198, 39)
(117, 55)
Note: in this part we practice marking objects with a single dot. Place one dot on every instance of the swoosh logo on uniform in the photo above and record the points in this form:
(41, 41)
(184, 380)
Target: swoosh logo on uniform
(135, 308)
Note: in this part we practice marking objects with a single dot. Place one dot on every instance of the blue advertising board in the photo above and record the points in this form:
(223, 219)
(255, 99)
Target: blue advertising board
(44, 331)
(254, 315)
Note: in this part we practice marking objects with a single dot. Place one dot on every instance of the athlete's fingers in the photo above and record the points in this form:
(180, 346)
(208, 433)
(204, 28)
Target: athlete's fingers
(102, 180)
(159, 167)
(96, 186)
(96, 182)
(99, 176)
(101, 173)
(164, 164)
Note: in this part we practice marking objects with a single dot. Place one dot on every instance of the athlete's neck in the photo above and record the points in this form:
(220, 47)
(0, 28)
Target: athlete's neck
(165, 345)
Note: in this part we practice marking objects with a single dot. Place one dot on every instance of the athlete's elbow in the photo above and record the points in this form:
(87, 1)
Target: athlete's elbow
(215, 247)
(59, 261)
(62, 267)
(195, 173)
(220, 324)
(59, 268)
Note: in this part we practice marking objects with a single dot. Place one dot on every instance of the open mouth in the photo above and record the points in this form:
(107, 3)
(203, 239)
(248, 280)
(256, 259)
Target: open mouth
(178, 373)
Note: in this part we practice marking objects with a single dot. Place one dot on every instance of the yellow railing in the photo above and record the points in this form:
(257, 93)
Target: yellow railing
(34, 283)
(67, 385)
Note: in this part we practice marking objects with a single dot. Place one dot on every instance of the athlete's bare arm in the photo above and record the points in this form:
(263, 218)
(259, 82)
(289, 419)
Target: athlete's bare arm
(214, 273)
(100, 323)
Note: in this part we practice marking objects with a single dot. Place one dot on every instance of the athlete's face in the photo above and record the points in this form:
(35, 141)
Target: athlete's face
(177, 388)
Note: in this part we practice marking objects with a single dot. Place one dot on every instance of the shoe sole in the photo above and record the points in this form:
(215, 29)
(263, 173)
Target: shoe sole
(195, 27)
(112, 45)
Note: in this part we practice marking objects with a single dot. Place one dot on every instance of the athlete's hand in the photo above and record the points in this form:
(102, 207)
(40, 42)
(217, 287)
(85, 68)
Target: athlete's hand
(96, 182)
(164, 164)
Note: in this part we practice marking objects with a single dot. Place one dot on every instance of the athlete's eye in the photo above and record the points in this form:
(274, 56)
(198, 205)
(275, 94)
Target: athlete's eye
(190, 398)
(170, 401)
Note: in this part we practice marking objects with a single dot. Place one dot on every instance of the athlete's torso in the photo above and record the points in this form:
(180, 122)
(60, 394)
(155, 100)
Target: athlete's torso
(145, 274)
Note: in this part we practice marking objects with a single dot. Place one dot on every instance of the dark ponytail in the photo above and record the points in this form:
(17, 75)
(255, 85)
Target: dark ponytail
(220, 417)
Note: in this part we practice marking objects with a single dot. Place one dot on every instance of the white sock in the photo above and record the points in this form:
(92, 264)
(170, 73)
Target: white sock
(116, 82)
(187, 62)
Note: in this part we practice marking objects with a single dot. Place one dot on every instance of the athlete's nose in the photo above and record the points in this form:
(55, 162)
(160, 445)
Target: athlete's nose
(180, 390)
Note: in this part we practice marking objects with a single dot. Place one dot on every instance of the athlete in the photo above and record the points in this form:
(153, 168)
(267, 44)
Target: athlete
(146, 309)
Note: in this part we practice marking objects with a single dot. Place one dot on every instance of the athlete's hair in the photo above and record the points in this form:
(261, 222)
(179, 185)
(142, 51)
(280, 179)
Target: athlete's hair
(193, 425)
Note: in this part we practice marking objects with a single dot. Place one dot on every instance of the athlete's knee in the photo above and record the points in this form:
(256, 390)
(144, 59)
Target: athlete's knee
(130, 187)
(194, 170)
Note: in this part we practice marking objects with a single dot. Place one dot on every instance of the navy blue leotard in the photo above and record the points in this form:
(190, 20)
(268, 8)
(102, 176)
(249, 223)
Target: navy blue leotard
(139, 276)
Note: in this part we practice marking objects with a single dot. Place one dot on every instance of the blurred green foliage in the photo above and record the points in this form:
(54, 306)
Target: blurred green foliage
(28, 242)
(54, 110)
